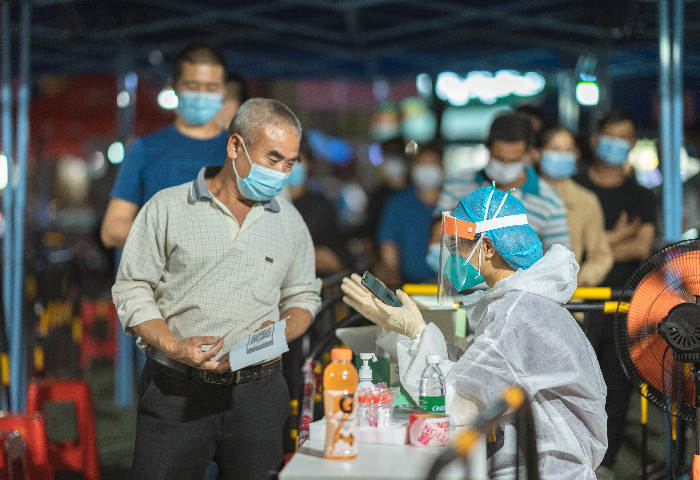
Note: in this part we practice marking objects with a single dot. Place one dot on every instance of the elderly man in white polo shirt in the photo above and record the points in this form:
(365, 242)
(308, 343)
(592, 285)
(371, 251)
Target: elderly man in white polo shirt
(205, 264)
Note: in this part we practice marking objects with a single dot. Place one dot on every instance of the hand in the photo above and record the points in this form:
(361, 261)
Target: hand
(624, 228)
(359, 298)
(406, 320)
(189, 351)
(265, 324)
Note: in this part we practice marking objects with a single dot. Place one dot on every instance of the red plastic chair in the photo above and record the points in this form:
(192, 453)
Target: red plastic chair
(80, 455)
(32, 429)
(13, 465)
(99, 331)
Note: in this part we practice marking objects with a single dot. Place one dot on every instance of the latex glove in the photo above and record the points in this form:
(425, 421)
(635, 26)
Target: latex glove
(406, 320)
(358, 297)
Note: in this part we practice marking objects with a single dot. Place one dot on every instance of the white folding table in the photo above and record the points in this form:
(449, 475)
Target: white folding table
(380, 462)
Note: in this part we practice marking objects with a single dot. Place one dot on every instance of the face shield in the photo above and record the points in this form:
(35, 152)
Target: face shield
(461, 249)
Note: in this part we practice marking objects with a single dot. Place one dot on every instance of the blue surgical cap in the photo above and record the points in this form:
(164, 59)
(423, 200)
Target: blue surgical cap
(519, 245)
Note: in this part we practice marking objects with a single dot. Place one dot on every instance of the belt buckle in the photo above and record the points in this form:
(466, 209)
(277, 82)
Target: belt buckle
(225, 378)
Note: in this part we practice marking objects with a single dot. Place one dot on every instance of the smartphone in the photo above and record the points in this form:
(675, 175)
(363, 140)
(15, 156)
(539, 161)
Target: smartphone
(379, 290)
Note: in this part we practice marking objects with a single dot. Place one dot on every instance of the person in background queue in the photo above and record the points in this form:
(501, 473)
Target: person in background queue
(403, 234)
(175, 154)
(630, 224)
(557, 158)
(319, 214)
(235, 94)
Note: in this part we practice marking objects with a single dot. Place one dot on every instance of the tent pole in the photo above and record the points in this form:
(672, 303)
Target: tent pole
(18, 344)
(8, 192)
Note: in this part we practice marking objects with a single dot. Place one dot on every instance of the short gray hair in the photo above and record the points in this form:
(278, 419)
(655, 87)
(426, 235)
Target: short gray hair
(254, 114)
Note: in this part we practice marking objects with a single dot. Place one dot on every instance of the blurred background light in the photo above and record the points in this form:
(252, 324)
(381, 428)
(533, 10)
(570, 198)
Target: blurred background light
(460, 158)
(418, 122)
(72, 180)
(468, 123)
(375, 154)
(451, 88)
(115, 153)
(167, 99)
(123, 99)
(690, 234)
(131, 81)
(334, 149)
(486, 86)
(380, 89)
(3, 171)
(644, 157)
(424, 85)
(385, 122)
(587, 93)
(97, 165)
(155, 57)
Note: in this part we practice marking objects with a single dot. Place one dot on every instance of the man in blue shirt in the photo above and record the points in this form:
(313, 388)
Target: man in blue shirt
(404, 227)
(175, 154)
(171, 156)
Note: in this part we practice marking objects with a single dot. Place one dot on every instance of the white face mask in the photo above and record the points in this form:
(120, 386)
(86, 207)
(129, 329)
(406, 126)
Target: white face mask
(394, 168)
(504, 173)
(427, 177)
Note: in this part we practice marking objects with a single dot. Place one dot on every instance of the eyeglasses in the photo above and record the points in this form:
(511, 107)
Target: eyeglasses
(452, 245)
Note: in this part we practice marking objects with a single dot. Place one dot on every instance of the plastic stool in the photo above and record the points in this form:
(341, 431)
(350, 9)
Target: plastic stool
(80, 455)
(99, 327)
(13, 465)
(32, 429)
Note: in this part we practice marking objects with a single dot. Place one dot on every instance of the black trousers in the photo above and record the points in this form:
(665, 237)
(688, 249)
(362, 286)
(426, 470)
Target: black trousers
(599, 329)
(183, 423)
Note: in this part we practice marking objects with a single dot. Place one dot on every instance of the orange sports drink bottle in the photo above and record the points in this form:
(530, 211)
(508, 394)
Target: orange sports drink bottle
(340, 381)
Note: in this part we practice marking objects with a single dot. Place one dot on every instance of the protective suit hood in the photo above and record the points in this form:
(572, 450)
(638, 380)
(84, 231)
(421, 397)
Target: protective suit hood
(552, 277)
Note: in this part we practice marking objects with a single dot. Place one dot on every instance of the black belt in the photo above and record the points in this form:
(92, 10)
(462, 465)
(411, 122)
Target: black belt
(247, 374)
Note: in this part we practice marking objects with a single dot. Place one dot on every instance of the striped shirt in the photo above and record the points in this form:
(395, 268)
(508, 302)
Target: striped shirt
(546, 212)
(188, 261)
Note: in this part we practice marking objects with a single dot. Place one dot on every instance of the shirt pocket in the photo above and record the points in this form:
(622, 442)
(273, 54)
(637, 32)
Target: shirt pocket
(270, 273)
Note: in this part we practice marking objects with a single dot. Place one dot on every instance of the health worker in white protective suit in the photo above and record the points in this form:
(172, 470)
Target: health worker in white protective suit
(523, 336)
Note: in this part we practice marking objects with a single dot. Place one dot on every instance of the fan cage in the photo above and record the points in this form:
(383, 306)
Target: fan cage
(668, 278)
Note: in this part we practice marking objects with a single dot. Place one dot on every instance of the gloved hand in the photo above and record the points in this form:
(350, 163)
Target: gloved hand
(359, 298)
(406, 320)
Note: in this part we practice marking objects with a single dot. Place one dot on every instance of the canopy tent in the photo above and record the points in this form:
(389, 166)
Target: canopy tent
(353, 38)
(366, 39)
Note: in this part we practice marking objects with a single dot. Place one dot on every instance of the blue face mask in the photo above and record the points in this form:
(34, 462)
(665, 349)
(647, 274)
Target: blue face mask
(262, 183)
(432, 258)
(558, 164)
(461, 273)
(198, 108)
(297, 176)
(613, 151)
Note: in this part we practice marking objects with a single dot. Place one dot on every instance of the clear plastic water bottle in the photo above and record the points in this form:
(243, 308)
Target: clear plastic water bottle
(432, 387)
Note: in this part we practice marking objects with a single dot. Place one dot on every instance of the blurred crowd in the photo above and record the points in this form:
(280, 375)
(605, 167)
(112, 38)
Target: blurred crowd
(581, 192)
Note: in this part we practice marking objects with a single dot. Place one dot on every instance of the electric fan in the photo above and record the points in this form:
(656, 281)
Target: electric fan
(657, 330)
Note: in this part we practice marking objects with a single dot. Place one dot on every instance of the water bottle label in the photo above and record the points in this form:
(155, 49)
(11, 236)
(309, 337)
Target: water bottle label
(432, 404)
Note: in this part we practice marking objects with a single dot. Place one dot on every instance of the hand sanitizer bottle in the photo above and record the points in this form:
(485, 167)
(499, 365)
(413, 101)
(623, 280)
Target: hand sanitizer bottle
(366, 371)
